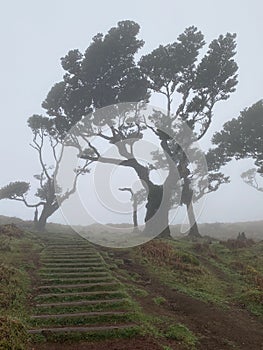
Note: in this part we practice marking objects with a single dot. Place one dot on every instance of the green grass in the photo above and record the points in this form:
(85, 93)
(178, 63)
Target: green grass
(181, 333)
(82, 320)
(210, 272)
(13, 334)
(60, 297)
(207, 271)
(17, 267)
(91, 336)
(159, 300)
(118, 305)
(87, 280)
(79, 288)
(139, 292)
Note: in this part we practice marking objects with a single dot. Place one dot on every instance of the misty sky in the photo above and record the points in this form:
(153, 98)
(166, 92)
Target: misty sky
(35, 35)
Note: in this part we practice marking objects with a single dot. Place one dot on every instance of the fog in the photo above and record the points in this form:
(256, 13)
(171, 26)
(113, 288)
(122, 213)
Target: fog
(35, 35)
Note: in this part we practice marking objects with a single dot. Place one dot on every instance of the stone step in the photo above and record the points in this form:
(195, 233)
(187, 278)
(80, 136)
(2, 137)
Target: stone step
(69, 294)
(69, 259)
(69, 251)
(68, 256)
(73, 264)
(81, 302)
(62, 280)
(69, 245)
(79, 285)
(80, 329)
(82, 274)
(74, 269)
(80, 314)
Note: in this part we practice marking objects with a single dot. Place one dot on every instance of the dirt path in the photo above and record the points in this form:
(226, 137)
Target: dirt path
(218, 329)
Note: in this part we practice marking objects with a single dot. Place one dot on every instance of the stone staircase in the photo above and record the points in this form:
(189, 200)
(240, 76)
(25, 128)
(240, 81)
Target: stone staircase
(78, 297)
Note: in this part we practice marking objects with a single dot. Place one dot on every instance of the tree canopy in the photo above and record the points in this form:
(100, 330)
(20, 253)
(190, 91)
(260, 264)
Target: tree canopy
(241, 137)
(108, 74)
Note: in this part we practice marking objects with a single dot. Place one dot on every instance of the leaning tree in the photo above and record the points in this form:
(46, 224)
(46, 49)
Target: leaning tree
(242, 138)
(45, 139)
(202, 183)
(191, 90)
(107, 74)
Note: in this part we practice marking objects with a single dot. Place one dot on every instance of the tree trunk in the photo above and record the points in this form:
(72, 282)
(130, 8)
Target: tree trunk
(156, 223)
(194, 231)
(157, 213)
(47, 211)
(41, 224)
(166, 233)
(135, 216)
(187, 199)
(36, 216)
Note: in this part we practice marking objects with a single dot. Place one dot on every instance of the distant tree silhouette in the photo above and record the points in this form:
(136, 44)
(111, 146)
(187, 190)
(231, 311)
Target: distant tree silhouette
(137, 198)
(44, 135)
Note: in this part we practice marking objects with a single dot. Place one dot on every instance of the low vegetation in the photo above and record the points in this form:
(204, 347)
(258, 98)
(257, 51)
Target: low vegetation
(210, 270)
(228, 276)
(18, 265)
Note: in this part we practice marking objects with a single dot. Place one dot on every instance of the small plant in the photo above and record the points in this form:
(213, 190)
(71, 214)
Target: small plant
(181, 333)
(159, 300)
(139, 292)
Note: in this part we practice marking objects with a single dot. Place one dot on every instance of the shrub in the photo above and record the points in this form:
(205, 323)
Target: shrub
(13, 334)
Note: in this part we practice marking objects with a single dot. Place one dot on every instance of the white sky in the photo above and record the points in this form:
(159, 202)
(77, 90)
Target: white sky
(36, 34)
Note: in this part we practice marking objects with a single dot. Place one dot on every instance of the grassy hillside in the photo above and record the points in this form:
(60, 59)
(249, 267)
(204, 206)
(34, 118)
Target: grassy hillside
(222, 231)
(182, 295)
(19, 261)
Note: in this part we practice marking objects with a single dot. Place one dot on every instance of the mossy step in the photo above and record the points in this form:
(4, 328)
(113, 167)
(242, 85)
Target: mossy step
(81, 279)
(81, 302)
(56, 267)
(70, 250)
(71, 269)
(80, 329)
(70, 256)
(84, 321)
(89, 288)
(124, 304)
(96, 262)
(79, 314)
(68, 245)
(72, 262)
(69, 259)
(72, 274)
(76, 297)
(97, 293)
(67, 255)
(78, 285)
